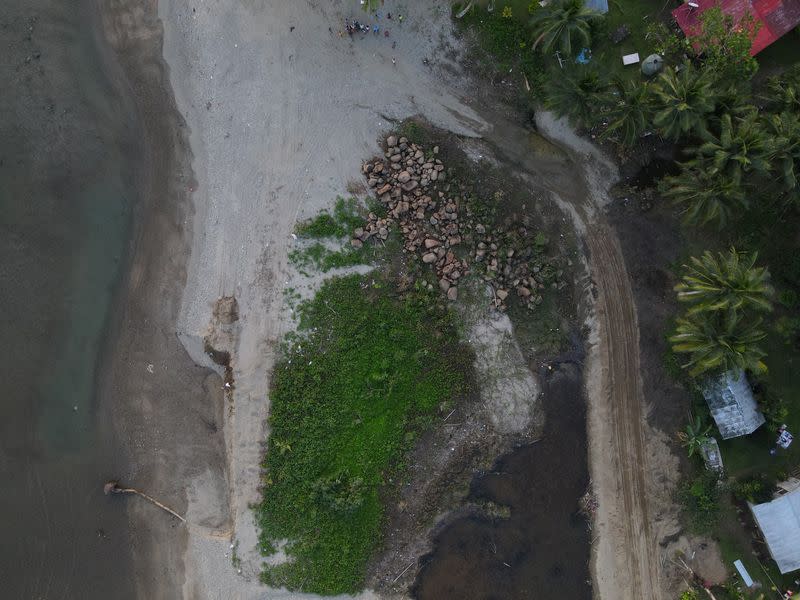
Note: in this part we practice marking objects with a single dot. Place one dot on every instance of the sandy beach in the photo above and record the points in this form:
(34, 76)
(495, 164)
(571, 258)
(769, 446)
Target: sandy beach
(280, 113)
(272, 115)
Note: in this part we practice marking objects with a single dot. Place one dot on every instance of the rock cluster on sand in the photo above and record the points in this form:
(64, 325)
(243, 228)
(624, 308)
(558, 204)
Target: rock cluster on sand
(427, 209)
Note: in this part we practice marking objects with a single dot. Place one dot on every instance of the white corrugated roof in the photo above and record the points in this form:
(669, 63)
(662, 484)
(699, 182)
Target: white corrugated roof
(779, 521)
(732, 405)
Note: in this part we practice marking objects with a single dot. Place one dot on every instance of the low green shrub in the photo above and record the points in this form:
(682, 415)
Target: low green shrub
(346, 217)
(365, 373)
(699, 498)
(754, 489)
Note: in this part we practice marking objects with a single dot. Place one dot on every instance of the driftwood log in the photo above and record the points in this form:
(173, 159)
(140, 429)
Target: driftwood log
(113, 487)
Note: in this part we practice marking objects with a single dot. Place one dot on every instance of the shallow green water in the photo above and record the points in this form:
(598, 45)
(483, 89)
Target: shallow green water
(67, 150)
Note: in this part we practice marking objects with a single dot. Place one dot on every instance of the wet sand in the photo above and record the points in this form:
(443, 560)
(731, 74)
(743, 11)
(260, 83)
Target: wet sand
(166, 410)
(542, 550)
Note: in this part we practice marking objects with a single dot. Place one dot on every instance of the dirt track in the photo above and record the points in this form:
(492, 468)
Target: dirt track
(620, 399)
(625, 548)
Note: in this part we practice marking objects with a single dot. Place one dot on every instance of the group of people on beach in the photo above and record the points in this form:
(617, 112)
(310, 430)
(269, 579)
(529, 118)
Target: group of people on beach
(355, 26)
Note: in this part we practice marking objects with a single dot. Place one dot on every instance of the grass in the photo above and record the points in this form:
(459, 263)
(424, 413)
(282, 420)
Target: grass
(321, 257)
(336, 225)
(365, 374)
(637, 15)
(772, 231)
(346, 216)
(505, 43)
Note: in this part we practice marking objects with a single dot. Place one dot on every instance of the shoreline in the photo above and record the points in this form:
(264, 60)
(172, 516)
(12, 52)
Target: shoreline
(157, 400)
(248, 86)
(246, 82)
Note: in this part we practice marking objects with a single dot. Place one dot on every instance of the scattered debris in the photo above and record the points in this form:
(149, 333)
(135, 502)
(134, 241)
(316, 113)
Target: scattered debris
(589, 503)
(620, 33)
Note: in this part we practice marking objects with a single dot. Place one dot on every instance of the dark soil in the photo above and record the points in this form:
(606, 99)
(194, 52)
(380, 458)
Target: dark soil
(652, 244)
(542, 550)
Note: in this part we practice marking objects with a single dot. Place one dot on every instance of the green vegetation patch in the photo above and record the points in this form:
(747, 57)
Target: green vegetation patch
(336, 225)
(345, 217)
(365, 373)
(321, 257)
(505, 40)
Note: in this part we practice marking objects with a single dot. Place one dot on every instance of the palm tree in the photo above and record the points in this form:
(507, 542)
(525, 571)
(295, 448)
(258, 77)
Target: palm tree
(628, 110)
(704, 197)
(719, 342)
(784, 150)
(725, 282)
(734, 99)
(783, 92)
(684, 100)
(576, 95)
(560, 22)
(694, 435)
(741, 147)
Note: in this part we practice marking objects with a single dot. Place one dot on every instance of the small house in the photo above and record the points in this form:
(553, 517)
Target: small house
(779, 522)
(732, 404)
(773, 18)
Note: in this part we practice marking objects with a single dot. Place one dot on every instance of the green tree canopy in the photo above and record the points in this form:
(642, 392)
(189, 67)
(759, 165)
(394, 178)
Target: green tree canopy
(726, 281)
(684, 100)
(741, 147)
(562, 24)
(717, 342)
(576, 95)
(724, 44)
(784, 151)
(694, 435)
(783, 91)
(628, 110)
(703, 197)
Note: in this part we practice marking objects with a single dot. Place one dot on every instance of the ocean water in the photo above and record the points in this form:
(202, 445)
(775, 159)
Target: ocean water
(68, 149)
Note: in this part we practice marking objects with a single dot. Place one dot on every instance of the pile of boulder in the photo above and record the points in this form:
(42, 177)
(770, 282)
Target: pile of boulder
(435, 228)
(512, 266)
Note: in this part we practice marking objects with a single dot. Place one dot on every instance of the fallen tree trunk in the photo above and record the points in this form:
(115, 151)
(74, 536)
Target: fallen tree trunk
(113, 487)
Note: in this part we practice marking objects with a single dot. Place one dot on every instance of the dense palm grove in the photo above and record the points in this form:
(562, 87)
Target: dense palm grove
(742, 153)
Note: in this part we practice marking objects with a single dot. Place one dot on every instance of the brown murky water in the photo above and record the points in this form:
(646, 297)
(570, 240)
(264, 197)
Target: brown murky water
(542, 551)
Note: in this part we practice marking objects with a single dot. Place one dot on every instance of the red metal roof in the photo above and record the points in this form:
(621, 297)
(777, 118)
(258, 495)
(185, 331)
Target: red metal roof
(774, 17)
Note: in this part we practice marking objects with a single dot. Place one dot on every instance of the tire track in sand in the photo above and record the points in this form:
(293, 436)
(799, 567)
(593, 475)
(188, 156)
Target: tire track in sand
(623, 392)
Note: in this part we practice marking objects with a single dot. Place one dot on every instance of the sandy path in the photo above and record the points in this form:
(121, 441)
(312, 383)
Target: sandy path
(625, 550)
(281, 112)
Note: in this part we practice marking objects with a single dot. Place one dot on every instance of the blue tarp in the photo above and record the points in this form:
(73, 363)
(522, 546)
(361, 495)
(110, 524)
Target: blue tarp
(600, 6)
